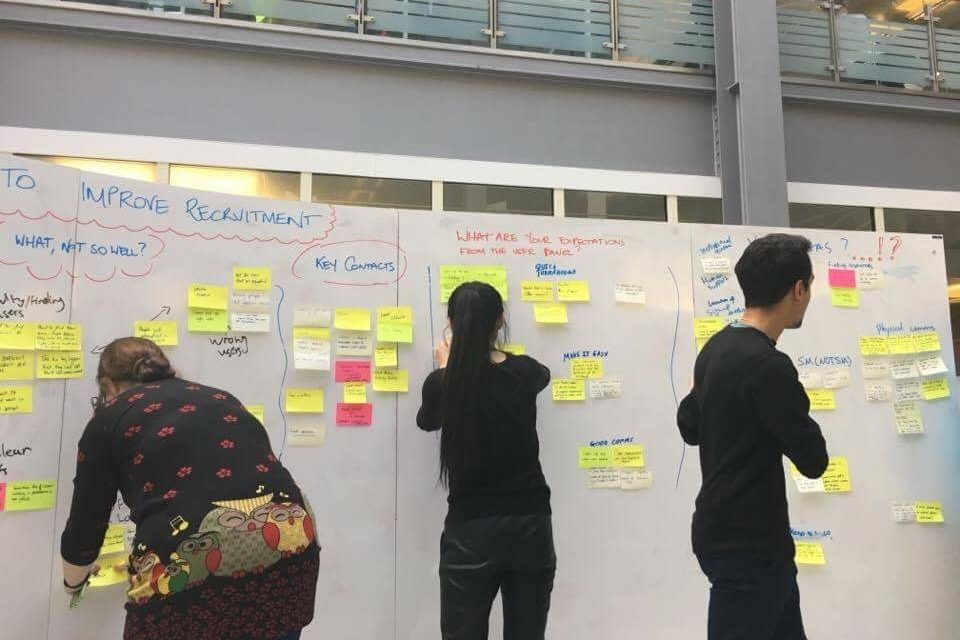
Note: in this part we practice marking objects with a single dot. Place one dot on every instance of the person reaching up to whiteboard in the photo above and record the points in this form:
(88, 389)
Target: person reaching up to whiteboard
(225, 545)
(498, 534)
(746, 411)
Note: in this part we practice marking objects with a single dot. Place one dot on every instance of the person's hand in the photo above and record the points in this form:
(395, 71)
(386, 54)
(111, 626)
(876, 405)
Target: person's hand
(77, 580)
(441, 353)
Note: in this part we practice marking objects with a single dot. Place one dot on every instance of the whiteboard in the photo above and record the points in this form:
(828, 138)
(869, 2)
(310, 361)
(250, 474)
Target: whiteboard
(624, 560)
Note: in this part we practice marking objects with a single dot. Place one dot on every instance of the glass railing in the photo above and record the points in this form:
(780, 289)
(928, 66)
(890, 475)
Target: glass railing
(883, 43)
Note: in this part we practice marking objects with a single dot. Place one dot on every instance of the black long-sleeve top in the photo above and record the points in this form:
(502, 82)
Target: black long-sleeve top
(746, 411)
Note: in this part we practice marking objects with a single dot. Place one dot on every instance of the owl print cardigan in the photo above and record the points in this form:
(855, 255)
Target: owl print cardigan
(225, 545)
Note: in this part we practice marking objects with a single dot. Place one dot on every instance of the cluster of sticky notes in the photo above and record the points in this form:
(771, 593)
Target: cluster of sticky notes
(311, 348)
(569, 390)
(921, 512)
(304, 401)
(28, 495)
(161, 332)
(900, 344)
(586, 368)
(705, 328)
(843, 288)
(207, 309)
(615, 467)
(306, 435)
(41, 350)
(836, 479)
(251, 286)
(809, 553)
(395, 324)
(452, 276)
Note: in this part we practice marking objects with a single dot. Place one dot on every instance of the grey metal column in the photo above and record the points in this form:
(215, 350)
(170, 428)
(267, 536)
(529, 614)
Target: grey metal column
(753, 168)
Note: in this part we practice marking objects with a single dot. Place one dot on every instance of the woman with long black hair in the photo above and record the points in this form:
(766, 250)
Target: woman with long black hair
(498, 534)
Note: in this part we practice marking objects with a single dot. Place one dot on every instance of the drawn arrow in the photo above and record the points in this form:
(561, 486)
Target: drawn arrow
(97, 350)
(164, 311)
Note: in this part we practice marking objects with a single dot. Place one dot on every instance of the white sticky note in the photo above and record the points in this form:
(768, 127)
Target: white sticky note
(606, 388)
(250, 322)
(931, 366)
(870, 279)
(250, 301)
(811, 379)
(904, 512)
(603, 478)
(875, 369)
(836, 378)
(905, 390)
(629, 293)
(804, 484)
(878, 391)
(904, 369)
(715, 264)
(310, 354)
(311, 315)
(354, 343)
(312, 435)
(633, 479)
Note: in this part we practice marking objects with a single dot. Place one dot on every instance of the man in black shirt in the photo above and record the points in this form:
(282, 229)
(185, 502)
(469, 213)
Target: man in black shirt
(746, 411)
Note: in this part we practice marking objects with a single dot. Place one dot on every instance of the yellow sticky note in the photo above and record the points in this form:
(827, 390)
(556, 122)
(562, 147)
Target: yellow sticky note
(115, 540)
(594, 457)
(18, 336)
(59, 364)
(453, 276)
(304, 400)
(59, 337)
(113, 570)
(16, 365)
(206, 296)
(627, 455)
(208, 320)
(355, 392)
(927, 342)
(928, 512)
(874, 346)
(573, 291)
(30, 495)
(313, 333)
(391, 380)
(252, 279)
(16, 400)
(515, 349)
(395, 315)
(393, 332)
(536, 291)
(161, 332)
(836, 479)
(810, 553)
(935, 388)
(385, 356)
(569, 390)
(822, 399)
(550, 313)
(256, 410)
(901, 345)
(847, 298)
(706, 327)
(586, 368)
(352, 319)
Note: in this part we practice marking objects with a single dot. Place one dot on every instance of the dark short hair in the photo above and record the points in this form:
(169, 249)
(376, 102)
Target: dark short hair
(771, 266)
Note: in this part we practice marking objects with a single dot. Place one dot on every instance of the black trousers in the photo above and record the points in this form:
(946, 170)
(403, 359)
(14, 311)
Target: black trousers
(753, 599)
(510, 554)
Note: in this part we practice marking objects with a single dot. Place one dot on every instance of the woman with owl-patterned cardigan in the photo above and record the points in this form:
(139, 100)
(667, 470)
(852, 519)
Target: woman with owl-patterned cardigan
(225, 546)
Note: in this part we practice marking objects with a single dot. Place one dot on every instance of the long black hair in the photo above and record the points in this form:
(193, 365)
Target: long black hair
(474, 309)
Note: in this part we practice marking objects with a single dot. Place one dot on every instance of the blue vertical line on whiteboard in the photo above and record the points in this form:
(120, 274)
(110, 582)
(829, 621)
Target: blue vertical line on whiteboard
(433, 341)
(673, 383)
(283, 377)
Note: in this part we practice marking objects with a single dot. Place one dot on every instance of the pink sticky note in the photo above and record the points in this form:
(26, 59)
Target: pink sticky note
(354, 415)
(352, 371)
(3, 495)
(842, 278)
